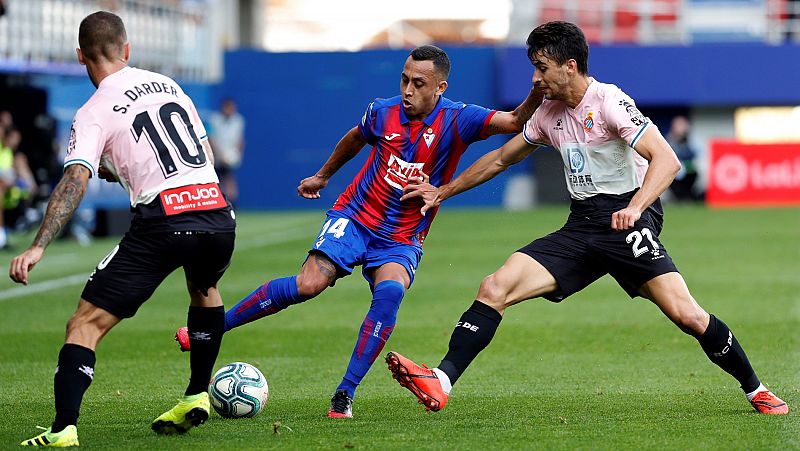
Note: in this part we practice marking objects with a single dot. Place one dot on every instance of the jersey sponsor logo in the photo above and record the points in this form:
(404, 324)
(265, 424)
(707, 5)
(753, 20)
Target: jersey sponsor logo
(192, 198)
(392, 136)
(577, 160)
(428, 136)
(559, 125)
(399, 171)
(588, 121)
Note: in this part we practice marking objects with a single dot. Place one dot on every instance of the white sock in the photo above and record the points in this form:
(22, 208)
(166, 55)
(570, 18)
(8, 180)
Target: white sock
(3, 236)
(444, 380)
(753, 393)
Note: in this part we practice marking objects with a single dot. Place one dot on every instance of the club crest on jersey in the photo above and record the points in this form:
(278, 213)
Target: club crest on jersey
(399, 171)
(428, 136)
(588, 122)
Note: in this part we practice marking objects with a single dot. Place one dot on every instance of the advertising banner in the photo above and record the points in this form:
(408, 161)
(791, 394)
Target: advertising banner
(753, 174)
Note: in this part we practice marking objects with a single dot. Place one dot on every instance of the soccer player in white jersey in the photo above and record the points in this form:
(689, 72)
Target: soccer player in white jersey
(141, 129)
(616, 165)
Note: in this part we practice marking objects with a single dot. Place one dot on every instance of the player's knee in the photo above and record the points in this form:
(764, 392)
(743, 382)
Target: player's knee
(693, 321)
(82, 330)
(492, 292)
(310, 285)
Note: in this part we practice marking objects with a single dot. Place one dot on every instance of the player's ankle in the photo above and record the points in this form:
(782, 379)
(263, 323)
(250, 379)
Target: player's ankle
(443, 380)
(753, 393)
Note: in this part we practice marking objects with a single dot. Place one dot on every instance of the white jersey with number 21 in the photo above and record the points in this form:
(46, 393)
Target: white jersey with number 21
(146, 130)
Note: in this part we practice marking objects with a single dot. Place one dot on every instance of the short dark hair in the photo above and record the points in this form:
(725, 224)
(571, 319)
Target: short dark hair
(102, 35)
(560, 41)
(441, 62)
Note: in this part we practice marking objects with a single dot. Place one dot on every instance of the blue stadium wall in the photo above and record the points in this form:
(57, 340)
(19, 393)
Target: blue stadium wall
(298, 105)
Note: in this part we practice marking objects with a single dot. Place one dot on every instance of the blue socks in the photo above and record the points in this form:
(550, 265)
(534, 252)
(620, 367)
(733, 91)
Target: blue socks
(272, 297)
(375, 330)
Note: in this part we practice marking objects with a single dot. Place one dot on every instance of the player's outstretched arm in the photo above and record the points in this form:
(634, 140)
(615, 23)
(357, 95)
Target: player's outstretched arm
(64, 201)
(347, 148)
(664, 166)
(486, 168)
(513, 121)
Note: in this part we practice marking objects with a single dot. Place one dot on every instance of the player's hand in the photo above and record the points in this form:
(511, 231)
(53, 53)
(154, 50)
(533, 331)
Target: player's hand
(106, 175)
(23, 263)
(420, 187)
(311, 186)
(625, 218)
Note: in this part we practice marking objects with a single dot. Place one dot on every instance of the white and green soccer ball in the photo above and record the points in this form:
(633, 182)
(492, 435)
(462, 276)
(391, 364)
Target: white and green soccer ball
(238, 390)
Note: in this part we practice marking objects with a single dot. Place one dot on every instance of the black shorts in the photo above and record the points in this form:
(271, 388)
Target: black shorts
(130, 273)
(586, 249)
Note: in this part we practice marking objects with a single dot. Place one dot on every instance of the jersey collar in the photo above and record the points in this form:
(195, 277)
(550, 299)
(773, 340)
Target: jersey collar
(428, 119)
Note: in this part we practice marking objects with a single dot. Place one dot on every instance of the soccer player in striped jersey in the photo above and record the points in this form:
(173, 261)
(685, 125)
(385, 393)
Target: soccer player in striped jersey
(419, 131)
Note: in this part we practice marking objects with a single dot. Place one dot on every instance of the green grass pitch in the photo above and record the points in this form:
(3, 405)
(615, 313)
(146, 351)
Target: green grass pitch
(599, 371)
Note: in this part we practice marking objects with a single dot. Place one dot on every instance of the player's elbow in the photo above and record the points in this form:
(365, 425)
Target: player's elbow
(675, 167)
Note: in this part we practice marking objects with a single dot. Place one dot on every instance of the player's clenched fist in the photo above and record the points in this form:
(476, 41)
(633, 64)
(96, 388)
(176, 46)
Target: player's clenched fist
(625, 218)
(23, 263)
(311, 186)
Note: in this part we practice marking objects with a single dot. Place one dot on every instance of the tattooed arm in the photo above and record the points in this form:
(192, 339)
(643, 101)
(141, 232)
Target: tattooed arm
(64, 201)
(514, 121)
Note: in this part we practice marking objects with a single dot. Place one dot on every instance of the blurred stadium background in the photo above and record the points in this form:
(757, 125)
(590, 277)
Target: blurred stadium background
(302, 72)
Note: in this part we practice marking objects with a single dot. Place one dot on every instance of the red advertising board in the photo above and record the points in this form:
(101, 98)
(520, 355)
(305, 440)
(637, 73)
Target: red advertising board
(753, 174)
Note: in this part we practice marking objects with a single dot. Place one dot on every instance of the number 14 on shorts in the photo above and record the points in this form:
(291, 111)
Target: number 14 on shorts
(337, 230)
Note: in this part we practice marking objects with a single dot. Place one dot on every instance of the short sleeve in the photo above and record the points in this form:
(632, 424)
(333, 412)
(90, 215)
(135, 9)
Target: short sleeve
(473, 123)
(624, 118)
(532, 132)
(367, 124)
(86, 142)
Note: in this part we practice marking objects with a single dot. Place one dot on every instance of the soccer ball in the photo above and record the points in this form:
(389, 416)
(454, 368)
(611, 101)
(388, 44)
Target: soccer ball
(238, 390)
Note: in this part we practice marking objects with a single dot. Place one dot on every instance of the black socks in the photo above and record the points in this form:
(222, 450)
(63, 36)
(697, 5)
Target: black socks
(206, 326)
(473, 332)
(722, 348)
(73, 376)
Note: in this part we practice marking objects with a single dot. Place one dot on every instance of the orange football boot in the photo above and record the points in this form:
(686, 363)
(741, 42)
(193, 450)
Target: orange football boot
(182, 337)
(419, 380)
(766, 402)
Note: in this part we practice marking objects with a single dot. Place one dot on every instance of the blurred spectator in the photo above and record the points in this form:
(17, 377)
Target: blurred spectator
(678, 137)
(6, 181)
(6, 120)
(227, 142)
(19, 196)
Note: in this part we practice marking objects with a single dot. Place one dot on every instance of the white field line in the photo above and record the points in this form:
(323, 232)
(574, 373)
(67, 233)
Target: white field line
(280, 237)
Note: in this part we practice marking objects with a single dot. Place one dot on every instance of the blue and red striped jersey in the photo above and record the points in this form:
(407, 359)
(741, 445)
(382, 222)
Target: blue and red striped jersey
(401, 149)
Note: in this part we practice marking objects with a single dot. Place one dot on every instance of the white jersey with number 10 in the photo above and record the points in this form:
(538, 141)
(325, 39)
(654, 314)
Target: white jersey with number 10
(146, 130)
